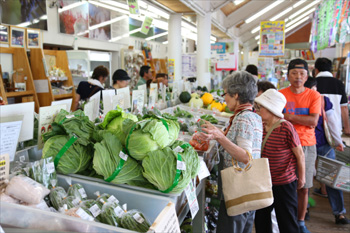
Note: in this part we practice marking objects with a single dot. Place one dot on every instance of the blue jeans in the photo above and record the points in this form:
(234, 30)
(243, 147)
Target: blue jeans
(335, 196)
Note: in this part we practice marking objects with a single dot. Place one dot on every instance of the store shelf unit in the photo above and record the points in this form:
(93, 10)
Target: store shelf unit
(20, 64)
(39, 69)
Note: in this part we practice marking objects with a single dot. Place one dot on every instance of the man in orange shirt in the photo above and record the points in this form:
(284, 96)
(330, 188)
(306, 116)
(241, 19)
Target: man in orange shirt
(302, 110)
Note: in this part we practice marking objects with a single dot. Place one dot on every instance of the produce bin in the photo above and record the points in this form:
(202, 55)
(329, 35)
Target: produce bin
(14, 215)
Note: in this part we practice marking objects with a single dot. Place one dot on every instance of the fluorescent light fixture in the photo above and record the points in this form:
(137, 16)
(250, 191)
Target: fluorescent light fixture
(4, 33)
(142, 4)
(263, 11)
(125, 35)
(281, 14)
(300, 17)
(314, 2)
(237, 2)
(297, 24)
(257, 37)
(71, 6)
(116, 4)
(158, 12)
(165, 42)
(109, 7)
(255, 30)
(298, 3)
(258, 41)
(138, 17)
(213, 38)
(108, 22)
(157, 36)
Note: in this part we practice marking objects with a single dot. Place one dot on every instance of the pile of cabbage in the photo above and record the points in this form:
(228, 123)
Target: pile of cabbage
(123, 149)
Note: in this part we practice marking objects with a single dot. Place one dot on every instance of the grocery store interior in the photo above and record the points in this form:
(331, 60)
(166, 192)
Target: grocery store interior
(110, 112)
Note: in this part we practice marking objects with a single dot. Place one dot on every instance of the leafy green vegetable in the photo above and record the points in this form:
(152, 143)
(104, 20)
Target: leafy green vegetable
(57, 195)
(189, 155)
(109, 216)
(77, 191)
(182, 113)
(106, 160)
(209, 118)
(76, 159)
(160, 170)
(43, 171)
(115, 122)
(134, 220)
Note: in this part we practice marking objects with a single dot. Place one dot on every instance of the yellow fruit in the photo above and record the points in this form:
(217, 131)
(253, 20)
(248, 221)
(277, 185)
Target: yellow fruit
(207, 98)
(223, 107)
(216, 105)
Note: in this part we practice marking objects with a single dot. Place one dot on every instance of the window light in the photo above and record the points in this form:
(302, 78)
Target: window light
(263, 11)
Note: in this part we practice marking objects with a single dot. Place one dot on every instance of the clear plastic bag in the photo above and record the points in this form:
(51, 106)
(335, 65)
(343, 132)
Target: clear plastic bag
(198, 143)
(135, 220)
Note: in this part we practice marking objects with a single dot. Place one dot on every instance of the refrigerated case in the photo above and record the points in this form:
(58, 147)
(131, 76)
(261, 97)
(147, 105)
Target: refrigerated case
(83, 62)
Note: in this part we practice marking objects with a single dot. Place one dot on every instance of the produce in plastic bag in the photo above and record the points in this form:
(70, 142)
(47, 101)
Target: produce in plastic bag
(77, 190)
(43, 171)
(57, 195)
(198, 143)
(41, 206)
(105, 199)
(80, 212)
(92, 206)
(111, 214)
(134, 220)
(8, 199)
(26, 189)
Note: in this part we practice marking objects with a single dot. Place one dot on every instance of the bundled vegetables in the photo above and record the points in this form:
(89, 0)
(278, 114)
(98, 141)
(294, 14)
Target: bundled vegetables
(134, 220)
(57, 195)
(198, 143)
(111, 214)
(209, 118)
(182, 113)
(43, 171)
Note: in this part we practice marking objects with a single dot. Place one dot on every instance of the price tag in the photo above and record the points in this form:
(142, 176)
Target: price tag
(190, 192)
(138, 218)
(69, 116)
(76, 201)
(50, 168)
(82, 192)
(203, 171)
(181, 165)
(83, 215)
(95, 210)
(118, 211)
(4, 169)
(178, 149)
(123, 156)
(112, 199)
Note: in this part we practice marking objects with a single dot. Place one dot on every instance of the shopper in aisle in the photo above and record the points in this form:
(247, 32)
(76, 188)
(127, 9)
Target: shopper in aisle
(264, 86)
(253, 70)
(335, 196)
(283, 149)
(302, 110)
(241, 138)
(145, 75)
(86, 89)
(334, 89)
(120, 79)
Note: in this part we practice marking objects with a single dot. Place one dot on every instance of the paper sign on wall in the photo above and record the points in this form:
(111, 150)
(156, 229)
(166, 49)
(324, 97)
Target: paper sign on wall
(4, 169)
(126, 93)
(10, 129)
(144, 88)
(133, 7)
(66, 102)
(107, 100)
(46, 117)
(27, 111)
(137, 101)
(166, 221)
(153, 95)
(190, 192)
(146, 25)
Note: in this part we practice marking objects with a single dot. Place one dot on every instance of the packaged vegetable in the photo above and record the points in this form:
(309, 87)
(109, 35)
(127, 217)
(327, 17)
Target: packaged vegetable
(43, 171)
(134, 220)
(41, 206)
(26, 189)
(57, 195)
(198, 143)
(111, 214)
(105, 199)
(80, 212)
(210, 118)
(78, 191)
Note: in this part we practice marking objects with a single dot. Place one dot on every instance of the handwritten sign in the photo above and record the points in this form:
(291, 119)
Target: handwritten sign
(107, 100)
(153, 95)
(67, 102)
(9, 134)
(166, 221)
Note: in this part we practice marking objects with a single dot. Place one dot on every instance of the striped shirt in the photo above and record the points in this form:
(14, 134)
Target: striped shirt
(278, 149)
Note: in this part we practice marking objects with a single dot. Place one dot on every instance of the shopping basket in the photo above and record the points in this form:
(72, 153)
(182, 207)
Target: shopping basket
(335, 173)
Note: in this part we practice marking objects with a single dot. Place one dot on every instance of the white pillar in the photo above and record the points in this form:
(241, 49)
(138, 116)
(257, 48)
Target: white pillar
(203, 49)
(175, 44)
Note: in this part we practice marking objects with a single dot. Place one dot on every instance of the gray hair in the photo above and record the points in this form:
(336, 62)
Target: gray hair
(243, 84)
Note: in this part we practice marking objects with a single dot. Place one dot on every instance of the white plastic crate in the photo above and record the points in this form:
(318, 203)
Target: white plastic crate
(333, 173)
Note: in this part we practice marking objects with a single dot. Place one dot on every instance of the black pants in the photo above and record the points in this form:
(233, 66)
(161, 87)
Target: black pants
(286, 208)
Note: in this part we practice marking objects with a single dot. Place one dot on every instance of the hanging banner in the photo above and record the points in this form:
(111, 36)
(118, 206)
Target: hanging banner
(271, 38)
(133, 7)
(146, 25)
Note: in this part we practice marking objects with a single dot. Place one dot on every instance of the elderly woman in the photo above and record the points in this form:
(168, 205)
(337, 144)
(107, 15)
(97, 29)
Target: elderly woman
(242, 137)
(281, 145)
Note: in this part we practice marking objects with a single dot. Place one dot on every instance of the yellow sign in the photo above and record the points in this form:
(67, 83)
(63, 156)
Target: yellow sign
(272, 38)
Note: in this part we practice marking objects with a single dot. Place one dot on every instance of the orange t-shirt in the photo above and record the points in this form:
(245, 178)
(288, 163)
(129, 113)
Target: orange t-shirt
(303, 104)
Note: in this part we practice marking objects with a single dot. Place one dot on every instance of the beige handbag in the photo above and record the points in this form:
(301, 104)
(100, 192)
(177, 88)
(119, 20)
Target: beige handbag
(249, 188)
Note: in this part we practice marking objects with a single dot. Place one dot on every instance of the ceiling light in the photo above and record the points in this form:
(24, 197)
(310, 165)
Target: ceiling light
(304, 9)
(237, 2)
(165, 42)
(300, 17)
(125, 35)
(108, 22)
(212, 38)
(281, 14)
(258, 41)
(296, 24)
(255, 30)
(263, 11)
(71, 6)
(157, 36)
(298, 3)
(116, 4)
(109, 7)
(257, 37)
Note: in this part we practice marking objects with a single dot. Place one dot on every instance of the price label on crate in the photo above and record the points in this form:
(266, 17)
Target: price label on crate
(112, 199)
(95, 210)
(203, 171)
(190, 192)
(50, 168)
(123, 156)
(83, 215)
(138, 218)
(178, 149)
(118, 211)
(82, 192)
(181, 165)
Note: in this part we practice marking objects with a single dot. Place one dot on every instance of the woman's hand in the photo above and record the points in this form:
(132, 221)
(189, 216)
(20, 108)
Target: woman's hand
(211, 132)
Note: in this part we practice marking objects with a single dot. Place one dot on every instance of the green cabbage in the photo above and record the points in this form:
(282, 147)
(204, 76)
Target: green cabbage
(106, 160)
(115, 122)
(160, 170)
(189, 155)
(76, 159)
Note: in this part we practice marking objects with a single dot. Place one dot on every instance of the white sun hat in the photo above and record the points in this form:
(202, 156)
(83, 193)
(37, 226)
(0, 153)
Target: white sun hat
(273, 101)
